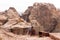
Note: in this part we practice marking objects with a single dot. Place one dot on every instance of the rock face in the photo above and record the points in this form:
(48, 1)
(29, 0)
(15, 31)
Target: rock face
(12, 13)
(55, 36)
(10, 36)
(3, 19)
(57, 15)
(41, 17)
(43, 13)
(10, 19)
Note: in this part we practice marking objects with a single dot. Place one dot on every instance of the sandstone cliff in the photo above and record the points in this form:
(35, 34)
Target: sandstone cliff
(44, 14)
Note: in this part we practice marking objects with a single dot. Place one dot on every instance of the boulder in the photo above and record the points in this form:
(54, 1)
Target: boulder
(43, 13)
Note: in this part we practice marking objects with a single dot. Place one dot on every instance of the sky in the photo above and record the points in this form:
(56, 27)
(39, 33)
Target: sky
(22, 5)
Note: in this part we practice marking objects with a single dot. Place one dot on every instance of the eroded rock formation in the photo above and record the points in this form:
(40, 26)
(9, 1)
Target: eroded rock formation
(44, 14)
(43, 17)
(12, 20)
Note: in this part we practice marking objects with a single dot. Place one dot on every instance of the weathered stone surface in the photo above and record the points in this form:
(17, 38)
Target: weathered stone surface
(43, 17)
(12, 17)
(14, 21)
(36, 26)
(19, 28)
(57, 15)
(3, 19)
(55, 36)
(12, 13)
(43, 13)
(9, 15)
(4, 35)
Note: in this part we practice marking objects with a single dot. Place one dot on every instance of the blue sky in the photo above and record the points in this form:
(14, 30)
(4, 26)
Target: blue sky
(21, 5)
